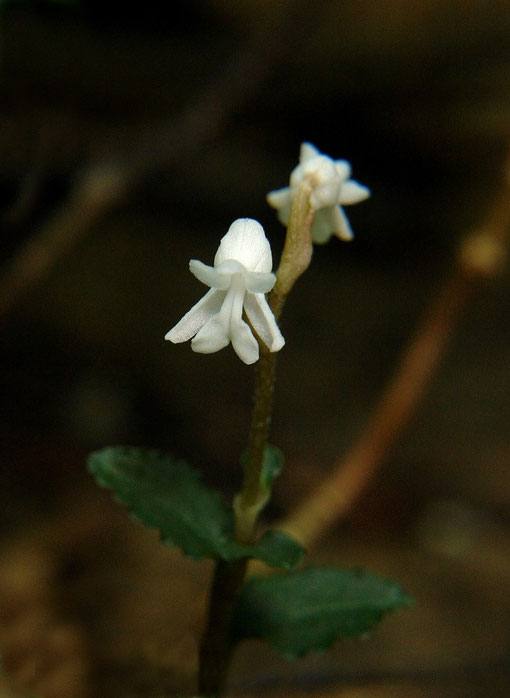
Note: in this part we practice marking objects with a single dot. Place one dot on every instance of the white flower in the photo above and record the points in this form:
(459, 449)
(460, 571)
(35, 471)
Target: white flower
(239, 279)
(331, 188)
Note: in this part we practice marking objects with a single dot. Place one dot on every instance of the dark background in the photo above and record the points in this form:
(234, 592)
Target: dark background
(199, 112)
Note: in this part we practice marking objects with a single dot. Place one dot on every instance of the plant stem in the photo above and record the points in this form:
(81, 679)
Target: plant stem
(296, 257)
(298, 248)
(253, 497)
(216, 647)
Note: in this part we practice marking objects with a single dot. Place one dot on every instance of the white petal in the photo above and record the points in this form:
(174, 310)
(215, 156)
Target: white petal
(256, 281)
(263, 321)
(325, 181)
(296, 176)
(322, 169)
(259, 283)
(339, 223)
(307, 152)
(209, 276)
(325, 194)
(321, 228)
(246, 242)
(353, 193)
(284, 214)
(212, 337)
(195, 318)
(343, 169)
(229, 267)
(244, 343)
(279, 197)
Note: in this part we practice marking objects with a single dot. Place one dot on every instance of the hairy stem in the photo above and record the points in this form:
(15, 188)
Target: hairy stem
(296, 257)
(253, 497)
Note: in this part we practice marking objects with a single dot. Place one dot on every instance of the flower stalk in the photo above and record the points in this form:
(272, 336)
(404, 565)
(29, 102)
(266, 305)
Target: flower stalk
(254, 496)
(296, 257)
(298, 247)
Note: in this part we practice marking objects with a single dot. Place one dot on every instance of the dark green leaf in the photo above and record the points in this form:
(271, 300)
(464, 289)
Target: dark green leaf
(309, 609)
(167, 494)
(278, 550)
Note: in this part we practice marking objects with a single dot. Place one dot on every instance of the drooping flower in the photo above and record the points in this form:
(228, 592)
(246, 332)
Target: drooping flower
(332, 188)
(238, 281)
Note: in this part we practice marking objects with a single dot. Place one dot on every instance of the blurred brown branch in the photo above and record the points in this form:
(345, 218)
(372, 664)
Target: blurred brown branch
(103, 185)
(481, 256)
(106, 183)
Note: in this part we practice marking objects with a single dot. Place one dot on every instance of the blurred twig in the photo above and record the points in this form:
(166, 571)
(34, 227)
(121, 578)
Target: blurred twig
(105, 184)
(481, 256)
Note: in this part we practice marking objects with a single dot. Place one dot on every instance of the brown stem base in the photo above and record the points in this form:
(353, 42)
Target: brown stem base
(216, 648)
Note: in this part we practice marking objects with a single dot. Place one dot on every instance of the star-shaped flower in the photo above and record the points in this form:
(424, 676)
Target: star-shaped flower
(239, 279)
(331, 189)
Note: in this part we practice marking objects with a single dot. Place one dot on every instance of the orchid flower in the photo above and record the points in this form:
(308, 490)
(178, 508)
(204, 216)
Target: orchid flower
(332, 188)
(238, 281)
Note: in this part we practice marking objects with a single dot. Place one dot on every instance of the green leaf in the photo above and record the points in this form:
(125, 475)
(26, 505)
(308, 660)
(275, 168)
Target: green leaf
(167, 494)
(309, 609)
(278, 549)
